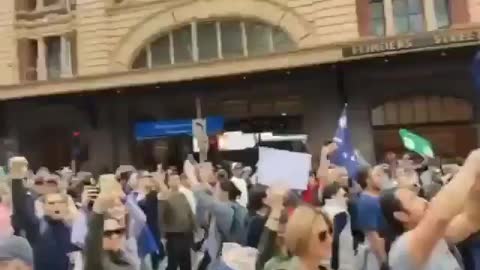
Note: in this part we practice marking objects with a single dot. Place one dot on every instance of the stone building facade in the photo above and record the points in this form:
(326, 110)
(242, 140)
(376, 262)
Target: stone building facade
(98, 66)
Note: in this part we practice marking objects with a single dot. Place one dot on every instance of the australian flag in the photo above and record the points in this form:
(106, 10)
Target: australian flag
(345, 155)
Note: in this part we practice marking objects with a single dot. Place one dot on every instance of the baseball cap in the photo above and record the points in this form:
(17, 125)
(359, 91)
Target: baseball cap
(16, 248)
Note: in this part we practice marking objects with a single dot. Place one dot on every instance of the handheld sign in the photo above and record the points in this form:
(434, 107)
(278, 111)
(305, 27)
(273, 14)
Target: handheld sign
(416, 143)
(284, 168)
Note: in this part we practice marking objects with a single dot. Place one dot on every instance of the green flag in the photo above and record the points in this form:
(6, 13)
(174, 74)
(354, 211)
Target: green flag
(416, 143)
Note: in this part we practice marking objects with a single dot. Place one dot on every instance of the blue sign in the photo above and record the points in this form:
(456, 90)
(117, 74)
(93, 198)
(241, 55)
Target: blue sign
(153, 130)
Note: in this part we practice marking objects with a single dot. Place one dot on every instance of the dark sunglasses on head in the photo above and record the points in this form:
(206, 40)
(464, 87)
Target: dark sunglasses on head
(48, 182)
(110, 233)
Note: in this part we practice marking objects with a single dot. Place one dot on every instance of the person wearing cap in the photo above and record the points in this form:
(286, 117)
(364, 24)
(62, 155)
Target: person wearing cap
(240, 183)
(15, 253)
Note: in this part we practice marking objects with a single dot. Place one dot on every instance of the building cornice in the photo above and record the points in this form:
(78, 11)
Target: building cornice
(331, 53)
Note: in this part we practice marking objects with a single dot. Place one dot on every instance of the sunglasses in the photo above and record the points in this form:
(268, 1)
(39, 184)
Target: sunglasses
(110, 233)
(322, 236)
(48, 182)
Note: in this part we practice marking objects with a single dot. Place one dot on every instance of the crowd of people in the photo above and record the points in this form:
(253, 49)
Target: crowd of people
(398, 215)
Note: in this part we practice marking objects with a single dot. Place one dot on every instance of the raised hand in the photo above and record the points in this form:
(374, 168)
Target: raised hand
(105, 201)
(18, 167)
(330, 148)
(276, 197)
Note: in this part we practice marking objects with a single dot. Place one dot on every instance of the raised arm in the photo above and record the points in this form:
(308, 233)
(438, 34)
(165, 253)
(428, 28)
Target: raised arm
(446, 206)
(94, 240)
(322, 171)
(23, 211)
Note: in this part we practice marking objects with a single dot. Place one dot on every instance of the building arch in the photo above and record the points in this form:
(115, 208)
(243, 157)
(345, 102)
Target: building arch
(151, 27)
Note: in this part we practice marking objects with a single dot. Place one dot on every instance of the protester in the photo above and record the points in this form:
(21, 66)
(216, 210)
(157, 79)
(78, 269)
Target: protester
(178, 222)
(120, 222)
(420, 229)
(370, 219)
(15, 253)
(49, 235)
(335, 206)
(106, 237)
(240, 182)
(273, 252)
(228, 218)
(258, 212)
(308, 236)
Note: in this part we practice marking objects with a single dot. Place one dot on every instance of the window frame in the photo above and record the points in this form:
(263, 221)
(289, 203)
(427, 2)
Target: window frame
(291, 45)
(448, 4)
(408, 16)
(372, 18)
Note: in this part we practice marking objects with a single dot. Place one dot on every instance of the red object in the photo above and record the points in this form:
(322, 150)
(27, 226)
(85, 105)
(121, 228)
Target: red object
(76, 134)
(309, 195)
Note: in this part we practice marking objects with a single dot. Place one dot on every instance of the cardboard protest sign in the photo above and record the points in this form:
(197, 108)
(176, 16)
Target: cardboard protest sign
(285, 168)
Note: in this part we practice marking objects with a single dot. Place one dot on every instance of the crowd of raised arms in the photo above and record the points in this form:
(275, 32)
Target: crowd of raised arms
(402, 214)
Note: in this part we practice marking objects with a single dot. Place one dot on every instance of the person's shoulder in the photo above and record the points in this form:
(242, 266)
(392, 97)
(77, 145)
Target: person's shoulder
(282, 263)
(367, 200)
(399, 256)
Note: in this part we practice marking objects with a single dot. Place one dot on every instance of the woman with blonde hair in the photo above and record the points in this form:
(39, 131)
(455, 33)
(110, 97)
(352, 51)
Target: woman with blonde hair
(308, 237)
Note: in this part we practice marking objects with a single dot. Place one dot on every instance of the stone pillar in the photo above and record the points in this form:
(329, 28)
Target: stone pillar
(358, 111)
(65, 57)
(322, 106)
(122, 131)
(39, 5)
(389, 18)
(429, 13)
(41, 59)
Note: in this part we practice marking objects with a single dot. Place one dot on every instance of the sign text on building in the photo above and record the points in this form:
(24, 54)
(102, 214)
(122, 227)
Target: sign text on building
(412, 42)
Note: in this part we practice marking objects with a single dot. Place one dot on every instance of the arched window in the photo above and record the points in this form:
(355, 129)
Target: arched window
(212, 40)
(422, 110)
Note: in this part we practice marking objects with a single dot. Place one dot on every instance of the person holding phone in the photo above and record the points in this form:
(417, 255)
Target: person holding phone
(106, 238)
(48, 235)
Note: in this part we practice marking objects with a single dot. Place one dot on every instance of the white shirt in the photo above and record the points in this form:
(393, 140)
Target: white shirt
(241, 184)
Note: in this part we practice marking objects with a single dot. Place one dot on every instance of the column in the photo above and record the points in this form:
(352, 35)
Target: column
(429, 13)
(41, 59)
(389, 18)
(360, 126)
(66, 57)
(322, 106)
(40, 5)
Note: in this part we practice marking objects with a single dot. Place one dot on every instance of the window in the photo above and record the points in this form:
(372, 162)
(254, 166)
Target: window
(50, 2)
(27, 58)
(51, 57)
(259, 38)
(25, 5)
(207, 40)
(421, 110)
(160, 52)
(408, 16)
(442, 13)
(182, 45)
(54, 62)
(231, 36)
(212, 40)
(377, 18)
(39, 5)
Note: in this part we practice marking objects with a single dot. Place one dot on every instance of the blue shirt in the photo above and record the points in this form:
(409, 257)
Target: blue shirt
(369, 213)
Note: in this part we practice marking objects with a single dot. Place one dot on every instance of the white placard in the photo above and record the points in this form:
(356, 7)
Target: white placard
(281, 167)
